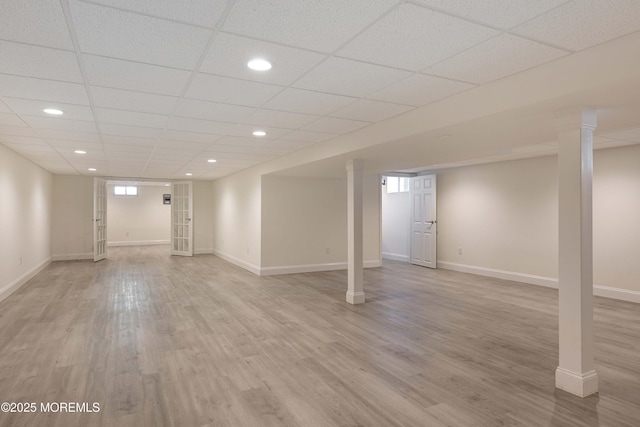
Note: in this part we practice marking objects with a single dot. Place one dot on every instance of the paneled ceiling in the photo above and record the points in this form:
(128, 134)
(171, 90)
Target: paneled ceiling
(156, 88)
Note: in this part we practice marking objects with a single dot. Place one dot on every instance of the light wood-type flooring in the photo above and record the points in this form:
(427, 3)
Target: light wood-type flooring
(170, 341)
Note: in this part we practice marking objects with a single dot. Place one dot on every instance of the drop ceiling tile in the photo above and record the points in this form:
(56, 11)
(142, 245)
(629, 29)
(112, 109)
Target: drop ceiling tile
(4, 108)
(118, 34)
(70, 145)
(91, 156)
(177, 156)
(321, 26)
(46, 90)
(197, 12)
(290, 145)
(124, 149)
(412, 38)
(199, 126)
(308, 102)
(39, 62)
(10, 119)
(20, 19)
(17, 131)
(494, 59)
(119, 74)
(29, 149)
(231, 91)
(27, 140)
(271, 152)
(238, 140)
(221, 148)
(60, 124)
(34, 108)
(371, 111)
(73, 136)
(177, 135)
(117, 158)
(279, 119)
(334, 125)
(216, 111)
(134, 131)
(632, 134)
(183, 145)
(129, 140)
(132, 118)
(350, 78)
(133, 101)
(229, 55)
(578, 25)
(307, 136)
(419, 90)
(497, 13)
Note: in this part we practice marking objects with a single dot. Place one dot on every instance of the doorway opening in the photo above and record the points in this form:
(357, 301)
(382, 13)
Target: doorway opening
(138, 213)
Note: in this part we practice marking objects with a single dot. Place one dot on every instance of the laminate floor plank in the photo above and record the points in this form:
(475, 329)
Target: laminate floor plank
(157, 340)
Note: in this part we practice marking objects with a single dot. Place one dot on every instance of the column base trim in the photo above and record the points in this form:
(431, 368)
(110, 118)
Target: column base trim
(581, 385)
(355, 297)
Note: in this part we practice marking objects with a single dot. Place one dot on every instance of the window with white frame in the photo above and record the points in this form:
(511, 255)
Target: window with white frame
(397, 184)
(122, 190)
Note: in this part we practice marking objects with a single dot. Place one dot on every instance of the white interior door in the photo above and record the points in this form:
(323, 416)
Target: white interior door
(181, 218)
(424, 227)
(99, 219)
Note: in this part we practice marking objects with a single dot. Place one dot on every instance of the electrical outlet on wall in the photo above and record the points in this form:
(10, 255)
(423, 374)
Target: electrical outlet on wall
(126, 233)
(327, 251)
(459, 251)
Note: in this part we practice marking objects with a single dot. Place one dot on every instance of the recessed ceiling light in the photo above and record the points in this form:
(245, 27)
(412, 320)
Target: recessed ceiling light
(167, 185)
(259, 64)
(80, 152)
(212, 160)
(53, 111)
(259, 133)
(92, 169)
(188, 174)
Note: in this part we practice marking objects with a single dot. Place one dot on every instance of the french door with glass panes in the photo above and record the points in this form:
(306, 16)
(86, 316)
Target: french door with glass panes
(181, 218)
(99, 219)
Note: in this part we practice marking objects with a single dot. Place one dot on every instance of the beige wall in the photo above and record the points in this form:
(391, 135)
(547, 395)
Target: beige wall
(138, 220)
(504, 217)
(236, 219)
(304, 221)
(25, 220)
(616, 229)
(72, 217)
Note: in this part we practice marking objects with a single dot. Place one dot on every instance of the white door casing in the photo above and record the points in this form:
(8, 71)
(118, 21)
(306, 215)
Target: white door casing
(99, 219)
(181, 218)
(424, 227)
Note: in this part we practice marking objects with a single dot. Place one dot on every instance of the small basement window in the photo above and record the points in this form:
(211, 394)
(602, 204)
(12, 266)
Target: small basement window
(121, 190)
(396, 184)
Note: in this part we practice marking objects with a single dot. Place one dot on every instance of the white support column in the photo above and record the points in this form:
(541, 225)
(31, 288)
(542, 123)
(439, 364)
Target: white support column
(355, 291)
(576, 371)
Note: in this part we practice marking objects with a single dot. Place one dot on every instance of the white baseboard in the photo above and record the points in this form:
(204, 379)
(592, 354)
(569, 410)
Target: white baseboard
(312, 268)
(73, 257)
(17, 284)
(203, 251)
(395, 257)
(240, 263)
(549, 282)
(139, 243)
(616, 293)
